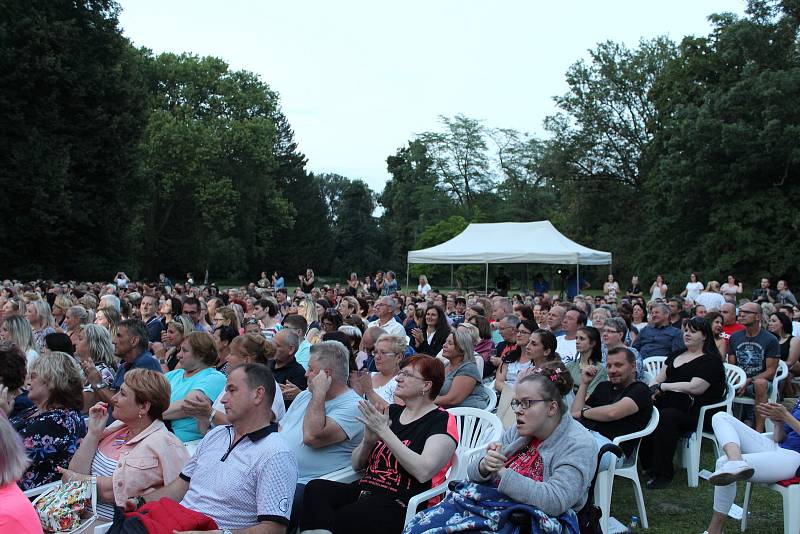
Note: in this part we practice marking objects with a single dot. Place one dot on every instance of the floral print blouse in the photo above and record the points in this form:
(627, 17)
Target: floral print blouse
(50, 439)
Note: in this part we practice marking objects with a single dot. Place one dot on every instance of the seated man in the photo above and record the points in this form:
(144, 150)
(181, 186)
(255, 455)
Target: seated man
(289, 374)
(243, 475)
(321, 425)
(618, 406)
(659, 338)
(299, 325)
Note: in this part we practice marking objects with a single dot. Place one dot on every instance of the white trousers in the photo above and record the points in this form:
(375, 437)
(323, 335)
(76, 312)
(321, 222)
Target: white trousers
(770, 462)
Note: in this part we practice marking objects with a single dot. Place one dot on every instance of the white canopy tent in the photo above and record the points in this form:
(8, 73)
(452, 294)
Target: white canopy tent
(510, 242)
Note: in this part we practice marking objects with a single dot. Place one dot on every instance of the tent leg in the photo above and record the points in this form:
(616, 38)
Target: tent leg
(486, 286)
(451, 276)
(578, 279)
(408, 266)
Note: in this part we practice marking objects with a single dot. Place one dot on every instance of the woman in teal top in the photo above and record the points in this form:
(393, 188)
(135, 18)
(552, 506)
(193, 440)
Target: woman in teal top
(195, 378)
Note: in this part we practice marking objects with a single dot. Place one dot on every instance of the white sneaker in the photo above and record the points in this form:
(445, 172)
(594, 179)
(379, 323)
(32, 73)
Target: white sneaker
(730, 472)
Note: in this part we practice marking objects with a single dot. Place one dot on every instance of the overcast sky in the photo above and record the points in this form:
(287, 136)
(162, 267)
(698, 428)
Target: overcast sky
(358, 79)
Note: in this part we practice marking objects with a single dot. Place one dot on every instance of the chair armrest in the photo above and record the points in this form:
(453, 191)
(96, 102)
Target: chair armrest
(419, 498)
(35, 492)
(702, 417)
(346, 474)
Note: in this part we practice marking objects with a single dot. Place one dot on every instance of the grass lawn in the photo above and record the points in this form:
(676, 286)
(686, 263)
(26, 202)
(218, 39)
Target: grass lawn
(680, 509)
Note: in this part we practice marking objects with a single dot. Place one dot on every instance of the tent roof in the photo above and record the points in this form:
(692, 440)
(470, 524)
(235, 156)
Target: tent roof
(530, 242)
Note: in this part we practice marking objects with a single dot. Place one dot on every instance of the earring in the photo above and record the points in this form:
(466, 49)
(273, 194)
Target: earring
(140, 416)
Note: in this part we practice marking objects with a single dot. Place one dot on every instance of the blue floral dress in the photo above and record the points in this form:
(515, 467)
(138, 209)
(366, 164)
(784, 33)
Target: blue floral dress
(50, 439)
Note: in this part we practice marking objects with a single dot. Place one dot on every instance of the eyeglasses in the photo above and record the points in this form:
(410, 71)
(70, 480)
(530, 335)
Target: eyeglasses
(610, 331)
(406, 374)
(522, 332)
(747, 312)
(382, 353)
(516, 404)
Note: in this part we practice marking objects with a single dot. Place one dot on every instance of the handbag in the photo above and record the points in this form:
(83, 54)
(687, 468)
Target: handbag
(69, 508)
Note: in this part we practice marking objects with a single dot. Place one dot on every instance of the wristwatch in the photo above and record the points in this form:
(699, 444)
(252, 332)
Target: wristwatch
(101, 385)
(583, 410)
(227, 531)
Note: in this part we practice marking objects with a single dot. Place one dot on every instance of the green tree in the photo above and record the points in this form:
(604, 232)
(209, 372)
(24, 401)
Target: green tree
(460, 159)
(357, 246)
(73, 106)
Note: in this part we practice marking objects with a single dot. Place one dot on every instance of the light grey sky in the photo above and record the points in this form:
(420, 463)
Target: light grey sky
(358, 79)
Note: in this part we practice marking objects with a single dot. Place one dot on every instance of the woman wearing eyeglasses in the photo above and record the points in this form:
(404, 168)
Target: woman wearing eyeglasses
(405, 450)
(462, 383)
(379, 387)
(518, 359)
(546, 460)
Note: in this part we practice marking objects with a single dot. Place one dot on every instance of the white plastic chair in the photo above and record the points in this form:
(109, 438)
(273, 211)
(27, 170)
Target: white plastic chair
(692, 443)
(440, 489)
(604, 483)
(492, 406)
(476, 429)
(652, 366)
(35, 492)
(780, 374)
(479, 362)
(791, 503)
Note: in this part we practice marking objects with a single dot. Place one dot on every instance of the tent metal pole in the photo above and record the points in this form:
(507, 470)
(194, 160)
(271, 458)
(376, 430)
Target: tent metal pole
(408, 266)
(486, 286)
(451, 276)
(578, 278)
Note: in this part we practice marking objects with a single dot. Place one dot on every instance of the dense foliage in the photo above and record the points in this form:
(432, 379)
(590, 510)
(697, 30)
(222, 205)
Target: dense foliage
(674, 156)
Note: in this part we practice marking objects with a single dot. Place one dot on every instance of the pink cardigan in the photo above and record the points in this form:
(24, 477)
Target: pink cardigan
(149, 461)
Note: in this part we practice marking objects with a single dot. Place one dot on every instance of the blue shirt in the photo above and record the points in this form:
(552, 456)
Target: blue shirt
(279, 283)
(143, 361)
(659, 341)
(209, 381)
(792, 439)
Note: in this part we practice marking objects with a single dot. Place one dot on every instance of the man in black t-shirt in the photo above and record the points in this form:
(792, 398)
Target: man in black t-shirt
(289, 374)
(617, 407)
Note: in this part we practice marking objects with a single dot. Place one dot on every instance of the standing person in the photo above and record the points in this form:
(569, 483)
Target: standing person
(757, 352)
(634, 290)
(687, 382)
(431, 340)
(424, 287)
(785, 296)
(389, 284)
(502, 282)
(693, 288)
(610, 289)
(753, 456)
(659, 289)
(277, 280)
(405, 450)
(765, 293)
(307, 281)
(731, 288)
(52, 429)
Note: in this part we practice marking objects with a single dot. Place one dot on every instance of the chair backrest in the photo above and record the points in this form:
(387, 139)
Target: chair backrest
(735, 375)
(652, 366)
(476, 428)
(492, 398)
(479, 362)
(781, 373)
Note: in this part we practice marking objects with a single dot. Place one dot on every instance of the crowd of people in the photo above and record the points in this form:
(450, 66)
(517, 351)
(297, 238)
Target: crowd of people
(236, 403)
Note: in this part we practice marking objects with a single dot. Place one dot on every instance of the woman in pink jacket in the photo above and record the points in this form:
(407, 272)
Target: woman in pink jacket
(135, 454)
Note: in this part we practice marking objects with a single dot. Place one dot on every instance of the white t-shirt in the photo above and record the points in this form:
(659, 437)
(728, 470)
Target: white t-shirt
(566, 348)
(386, 391)
(712, 301)
(391, 327)
(693, 290)
(424, 290)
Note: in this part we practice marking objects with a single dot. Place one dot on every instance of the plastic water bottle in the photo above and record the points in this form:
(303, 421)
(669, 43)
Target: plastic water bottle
(633, 526)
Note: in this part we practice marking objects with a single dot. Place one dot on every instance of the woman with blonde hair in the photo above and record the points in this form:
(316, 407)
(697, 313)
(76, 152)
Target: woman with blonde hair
(197, 379)
(462, 384)
(379, 386)
(38, 315)
(308, 310)
(17, 330)
(424, 287)
(136, 454)
(109, 318)
(74, 318)
(95, 353)
(167, 352)
(16, 513)
(51, 429)
(60, 306)
(226, 316)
